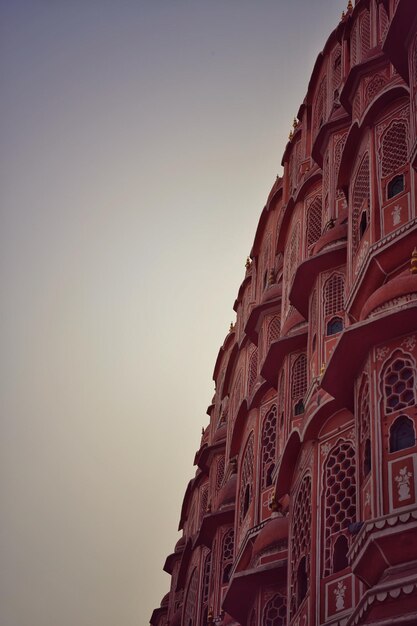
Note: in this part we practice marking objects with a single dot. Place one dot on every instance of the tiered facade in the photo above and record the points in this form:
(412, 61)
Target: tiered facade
(303, 508)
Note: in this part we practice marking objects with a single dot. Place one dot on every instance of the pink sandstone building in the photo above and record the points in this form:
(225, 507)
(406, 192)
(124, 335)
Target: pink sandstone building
(303, 507)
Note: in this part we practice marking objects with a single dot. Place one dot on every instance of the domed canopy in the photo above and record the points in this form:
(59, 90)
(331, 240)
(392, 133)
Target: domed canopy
(275, 531)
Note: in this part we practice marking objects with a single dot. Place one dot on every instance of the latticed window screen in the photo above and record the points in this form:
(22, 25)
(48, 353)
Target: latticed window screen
(291, 261)
(281, 398)
(364, 425)
(253, 369)
(301, 535)
(394, 148)
(334, 290)
(360, 199)
(203, 501)
(383, 22)
(299, 379)
(220, 472)
(354, 44)
(246, 480)
(274, 329)
(314, 227)
(269, 437)
(365, 31)
(275, 612)
(320, 105)
(227, 554)
(191, 601)
(399, 382)
(337, 67)
(339, 498)
(206, 578)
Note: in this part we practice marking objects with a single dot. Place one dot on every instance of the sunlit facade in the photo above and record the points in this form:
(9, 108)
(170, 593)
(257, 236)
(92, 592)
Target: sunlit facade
(303, 508)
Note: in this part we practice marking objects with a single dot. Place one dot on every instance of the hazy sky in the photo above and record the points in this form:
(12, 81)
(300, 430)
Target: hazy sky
(139, 142)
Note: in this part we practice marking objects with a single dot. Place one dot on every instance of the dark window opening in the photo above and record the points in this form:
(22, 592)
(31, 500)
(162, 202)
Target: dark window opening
(363, 225)
(226, 573)
(395, 186)
(335, 326)
(340, 560)
(313, 347)
(269, 473)
(402, 434)
(302, 581)
(299, 408)
(367, 458)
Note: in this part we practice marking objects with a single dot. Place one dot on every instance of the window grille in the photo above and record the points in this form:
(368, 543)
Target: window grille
(220, 473)
(269, 437)
(253, 370)
(334, 289)
(190, 604)
(394, 148)
(227, 555)
(365, 31)
(299, 380)
(203, 502)
(337, 68)
(300, 542)
(399, 383)
(246, 480)
(206, 578)
(364, 426)
(274, 329)
(383, 22)
(360, 199)
(275, 612)
(339, 498)
(314, 221)
(320, 106)
(353, 45)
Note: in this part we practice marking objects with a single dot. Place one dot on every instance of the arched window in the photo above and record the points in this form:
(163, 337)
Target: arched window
(360, 202)
(398, 382)
(246, 480)
(320, 105)
(220, 473)
(253, 370)
(299, 383)
(364, 426)
(339, 499)
(300, 544)
(334, 326)
(191, 600)
(395, 186)
(334, 290)
(337, 68)
(402, 434)
(227, 555)
(341, 548)
(203, 501)
(274, 329)
(206, 587)
(269, 437)
(314, 221)
(365, 34)
(394, 148)
(275, 612)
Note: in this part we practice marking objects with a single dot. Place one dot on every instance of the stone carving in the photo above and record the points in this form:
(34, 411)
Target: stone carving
(403, 484)
(339, 593)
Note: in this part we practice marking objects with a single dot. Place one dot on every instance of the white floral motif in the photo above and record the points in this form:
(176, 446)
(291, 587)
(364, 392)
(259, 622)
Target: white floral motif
(325, 449)
(367, 498)
(409, 342)
(381, 353)
(339, 593)
(396, 215)
(403, 484)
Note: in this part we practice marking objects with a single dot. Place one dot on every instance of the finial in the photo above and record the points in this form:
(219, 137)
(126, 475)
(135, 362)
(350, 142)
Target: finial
(291, 135)
(294, 123)
(210, 616)
(350, 6)
(232, 327)
(271, 278)
(343, 15)
(248, 263)
(413, 268)
(233, 463)
(273, 504)
(323, 367)
(202, 430)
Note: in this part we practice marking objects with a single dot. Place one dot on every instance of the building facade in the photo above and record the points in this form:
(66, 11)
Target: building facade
(303, 508)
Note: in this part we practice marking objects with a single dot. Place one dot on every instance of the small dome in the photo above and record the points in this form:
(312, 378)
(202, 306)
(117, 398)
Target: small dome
(227, 493)
(272, 533)
(405, 283)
